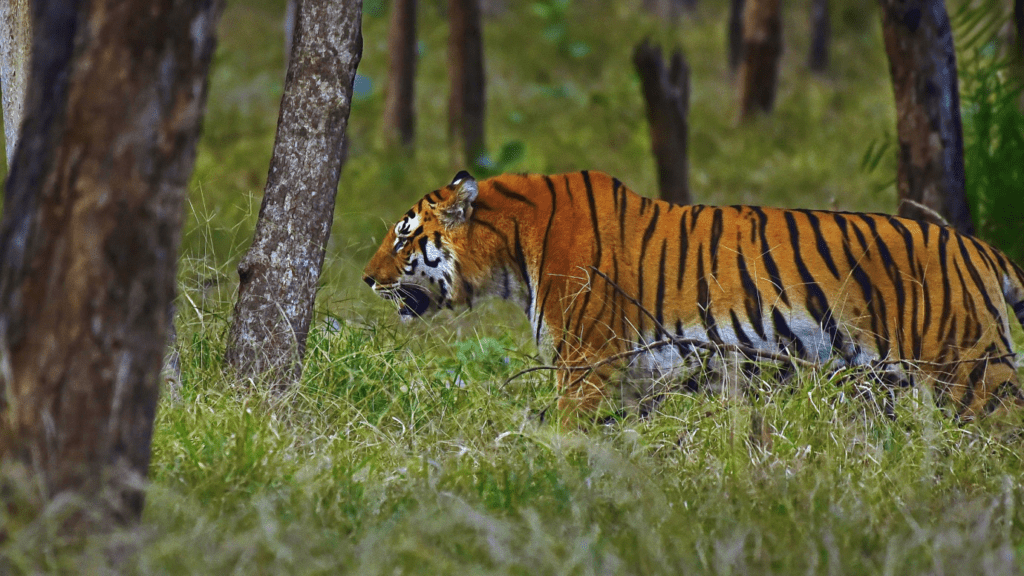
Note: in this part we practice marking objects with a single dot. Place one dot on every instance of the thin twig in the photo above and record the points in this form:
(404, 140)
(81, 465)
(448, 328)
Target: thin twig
(935, 216)
(630, 298)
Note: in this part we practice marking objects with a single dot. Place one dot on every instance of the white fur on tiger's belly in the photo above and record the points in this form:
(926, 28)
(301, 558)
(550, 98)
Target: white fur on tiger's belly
(668, 364)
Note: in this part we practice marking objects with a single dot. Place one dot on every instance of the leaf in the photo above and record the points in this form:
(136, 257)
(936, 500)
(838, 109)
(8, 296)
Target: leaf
(875, 152)
(511, 152)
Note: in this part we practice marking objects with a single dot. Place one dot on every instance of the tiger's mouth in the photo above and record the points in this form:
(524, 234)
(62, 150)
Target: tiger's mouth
(413, 301)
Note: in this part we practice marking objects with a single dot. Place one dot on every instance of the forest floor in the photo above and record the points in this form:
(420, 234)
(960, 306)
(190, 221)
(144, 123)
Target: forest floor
(403, 450)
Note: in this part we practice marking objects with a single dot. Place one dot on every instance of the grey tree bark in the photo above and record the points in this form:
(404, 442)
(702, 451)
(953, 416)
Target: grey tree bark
(89, 238)
(278, 275)
(15, 53)
(667, 95)
(922, 63)
(399, 113)
(762, 48)
(466, 99)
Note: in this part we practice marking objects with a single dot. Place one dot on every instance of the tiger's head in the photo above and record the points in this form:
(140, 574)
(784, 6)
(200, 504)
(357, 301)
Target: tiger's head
(416, 264)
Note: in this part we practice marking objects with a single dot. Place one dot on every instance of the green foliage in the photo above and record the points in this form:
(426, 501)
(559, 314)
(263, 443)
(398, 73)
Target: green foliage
(992, 88)
(554, 14)
(994, 158)
(508, 156)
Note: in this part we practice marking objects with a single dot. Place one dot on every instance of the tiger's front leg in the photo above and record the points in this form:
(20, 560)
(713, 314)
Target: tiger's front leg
(582, 388)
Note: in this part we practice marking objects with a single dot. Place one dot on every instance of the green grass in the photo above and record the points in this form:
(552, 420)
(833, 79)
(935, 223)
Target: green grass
(403, 450)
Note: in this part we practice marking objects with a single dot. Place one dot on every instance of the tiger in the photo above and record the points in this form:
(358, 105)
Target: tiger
(618, 286)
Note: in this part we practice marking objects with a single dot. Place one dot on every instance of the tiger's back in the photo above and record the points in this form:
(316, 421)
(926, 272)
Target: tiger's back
(602, 272)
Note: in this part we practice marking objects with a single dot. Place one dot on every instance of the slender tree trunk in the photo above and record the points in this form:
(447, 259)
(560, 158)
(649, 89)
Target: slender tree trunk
(670, 10)
(279, 274)
(762, 47)
(667, 94)
(90, 235)
(290, 10)
(15, 51)
(466, 100)
(930, 169)
(399, 115)
(821, 36)
(1018, 22)
(735, 34)
(1018, 45)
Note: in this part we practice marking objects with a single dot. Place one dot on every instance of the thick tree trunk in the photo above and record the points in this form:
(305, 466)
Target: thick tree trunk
(930, 169)
(15, 50)
(667, 94)
(279, 274)
(735, 33)
(466, 99)
(90, 234)
(762, 47)
(821, 36)
(399, 116)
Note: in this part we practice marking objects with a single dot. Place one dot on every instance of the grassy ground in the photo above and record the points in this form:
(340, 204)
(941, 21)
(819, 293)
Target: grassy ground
(404, 451)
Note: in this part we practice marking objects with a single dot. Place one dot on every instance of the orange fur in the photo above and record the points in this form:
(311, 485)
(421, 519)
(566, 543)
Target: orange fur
(850, 288)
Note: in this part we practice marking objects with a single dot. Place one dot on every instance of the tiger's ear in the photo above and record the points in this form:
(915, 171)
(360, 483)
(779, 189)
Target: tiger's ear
(456, 209)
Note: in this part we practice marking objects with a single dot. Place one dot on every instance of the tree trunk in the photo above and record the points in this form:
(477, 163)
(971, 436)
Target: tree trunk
(279, 274)
(1018, 21)
(1019, 26)
(466, 72)
(735, 33)
(290, 9)
(670, 10)
(667, 94)
(821, 36)
(762, 47)
(15, 50)
(922, 63)
(89, 238)
(399, 116)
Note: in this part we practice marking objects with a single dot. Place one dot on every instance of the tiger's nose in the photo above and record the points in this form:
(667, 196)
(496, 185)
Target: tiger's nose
(369, 281)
